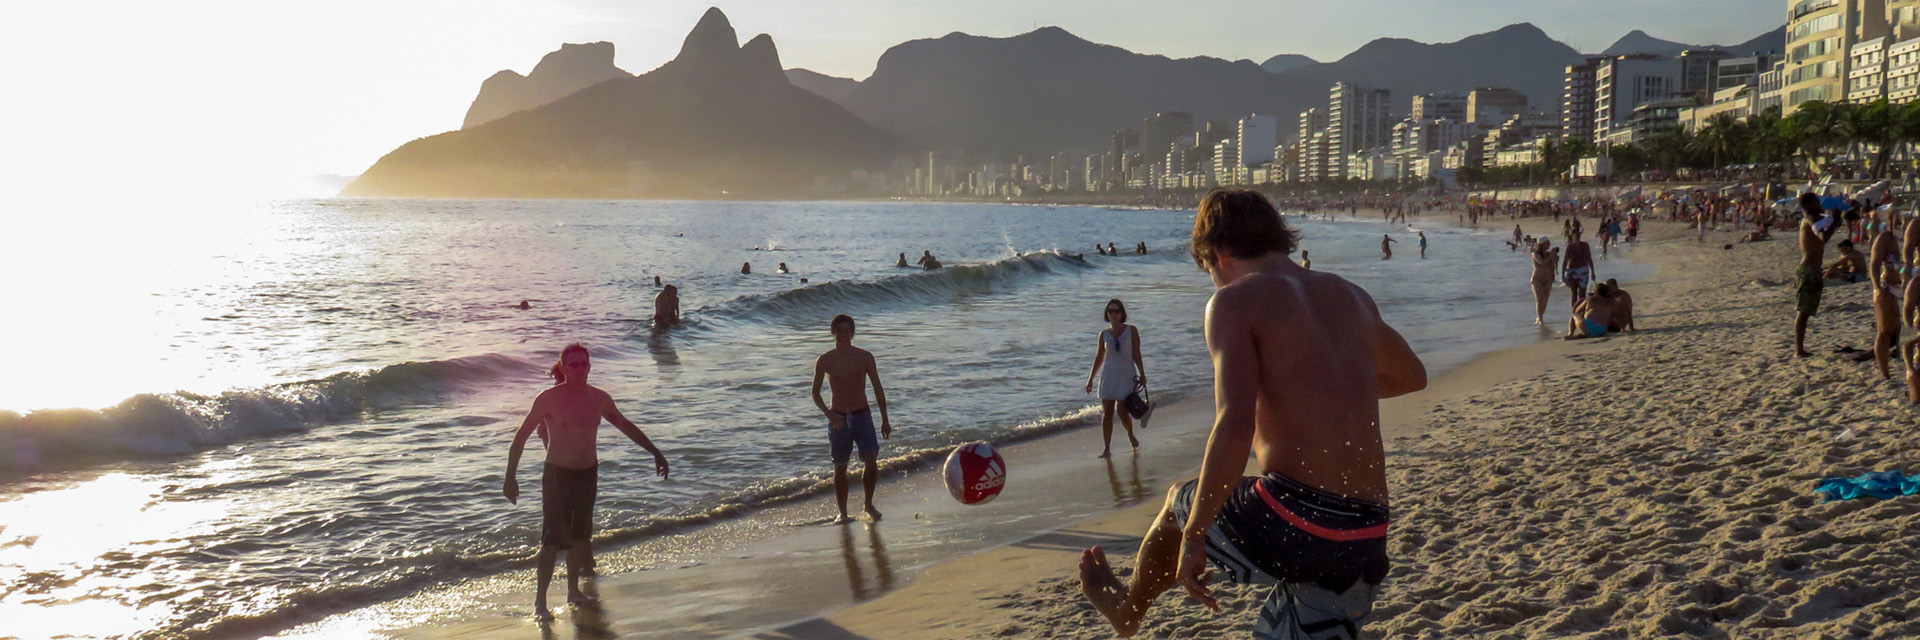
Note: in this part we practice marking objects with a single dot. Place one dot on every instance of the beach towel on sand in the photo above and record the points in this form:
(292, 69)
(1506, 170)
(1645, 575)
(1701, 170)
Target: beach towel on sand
(1878, 484)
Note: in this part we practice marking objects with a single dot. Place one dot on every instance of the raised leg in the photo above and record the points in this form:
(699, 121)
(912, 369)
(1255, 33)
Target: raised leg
(1126, 605)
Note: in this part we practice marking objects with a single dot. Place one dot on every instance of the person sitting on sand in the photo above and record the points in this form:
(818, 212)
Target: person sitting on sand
(1622, 307)
(746, 268)
(666, 307)
(1756, 236)
(568, 416)
(903, 261)
(849, 419)
(1118, 367)
(1301, 362)
(1594, 316)
(1850, 268)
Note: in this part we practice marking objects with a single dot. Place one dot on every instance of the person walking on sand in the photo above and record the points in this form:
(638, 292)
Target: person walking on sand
(1386, 246)
(1545, 263)
(1579, 273)
(1301, 361)
(666, 308)
(568, 416)
(1816, 228)
(1116, 363)
(849, 419)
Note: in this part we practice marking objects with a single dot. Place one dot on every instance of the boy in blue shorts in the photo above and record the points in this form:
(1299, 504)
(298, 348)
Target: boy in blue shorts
(849, 419)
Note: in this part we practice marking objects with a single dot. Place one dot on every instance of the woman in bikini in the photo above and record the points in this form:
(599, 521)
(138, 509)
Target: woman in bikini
(1545, 264)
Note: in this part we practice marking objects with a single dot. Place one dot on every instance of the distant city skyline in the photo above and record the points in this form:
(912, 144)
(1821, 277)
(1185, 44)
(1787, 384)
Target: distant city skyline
(230, 93)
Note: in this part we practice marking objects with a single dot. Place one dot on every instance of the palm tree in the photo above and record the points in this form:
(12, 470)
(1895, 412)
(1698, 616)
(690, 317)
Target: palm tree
(1723, 136)
(1813, 128)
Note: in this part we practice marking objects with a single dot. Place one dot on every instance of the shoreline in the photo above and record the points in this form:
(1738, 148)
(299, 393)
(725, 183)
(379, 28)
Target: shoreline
(704, 567)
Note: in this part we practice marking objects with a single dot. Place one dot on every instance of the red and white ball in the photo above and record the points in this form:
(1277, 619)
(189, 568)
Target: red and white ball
(975, 473)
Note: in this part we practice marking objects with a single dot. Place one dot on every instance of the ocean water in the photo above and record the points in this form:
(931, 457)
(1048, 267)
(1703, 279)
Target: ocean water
(306, 405)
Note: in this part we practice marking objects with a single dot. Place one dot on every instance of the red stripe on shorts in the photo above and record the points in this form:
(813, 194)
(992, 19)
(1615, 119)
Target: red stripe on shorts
(1337, 535)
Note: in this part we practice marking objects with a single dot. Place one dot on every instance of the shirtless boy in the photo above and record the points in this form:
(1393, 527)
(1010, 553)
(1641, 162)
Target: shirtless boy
(1816, 228)
(666, 308)
(1301, 361)
(568, 417)
(849, 419)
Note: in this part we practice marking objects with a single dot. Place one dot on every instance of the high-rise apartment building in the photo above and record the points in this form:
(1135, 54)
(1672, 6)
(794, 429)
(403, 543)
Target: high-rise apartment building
(1439, 106)
(1311, 120)
(1625, 82)
(1158, 133)
(1820, 39)
(1357, 120)
(1491, 106)
(1259, 135)
(1698, 68)
(1576, 99)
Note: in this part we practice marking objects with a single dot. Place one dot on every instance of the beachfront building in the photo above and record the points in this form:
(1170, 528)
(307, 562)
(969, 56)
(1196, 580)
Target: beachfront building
(1311, 120)
(1821, 35)
(1773, 88)
(1903, 71)
(1439, 106)
(1420, 145)
(1649, 119)
(1316, 157)
(1699, 69)
(1867, 71)
(1576, 99)
(1517, 131)
(1738, 101)
(1626, 82)
(1357, 120)
(1490, 106)
(1226, 159)
(1735, 72)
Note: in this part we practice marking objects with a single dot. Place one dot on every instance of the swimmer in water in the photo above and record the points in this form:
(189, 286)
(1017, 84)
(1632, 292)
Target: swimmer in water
(746, 268)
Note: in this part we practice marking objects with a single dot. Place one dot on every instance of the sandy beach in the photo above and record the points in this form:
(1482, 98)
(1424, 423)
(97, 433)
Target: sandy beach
(1652, 484)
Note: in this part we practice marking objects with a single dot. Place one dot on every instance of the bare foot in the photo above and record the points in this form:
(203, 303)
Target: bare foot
(873, 513)
(1105, 454)
(541, 613)
(1802, 353)
(1107, 594)
(1135, 441)
(843, 519)
(580, 599)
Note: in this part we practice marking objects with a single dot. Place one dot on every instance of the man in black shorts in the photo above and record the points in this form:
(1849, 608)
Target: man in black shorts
(1301, 361)
(568, 416)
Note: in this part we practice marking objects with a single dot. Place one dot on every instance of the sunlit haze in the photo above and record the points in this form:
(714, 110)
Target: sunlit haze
(245, 98)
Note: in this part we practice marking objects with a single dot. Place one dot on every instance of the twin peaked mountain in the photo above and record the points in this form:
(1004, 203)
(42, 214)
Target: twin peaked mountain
(720, 120)
(724, 120)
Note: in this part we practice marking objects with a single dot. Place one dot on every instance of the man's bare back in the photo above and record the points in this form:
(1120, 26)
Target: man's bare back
(1317, 418)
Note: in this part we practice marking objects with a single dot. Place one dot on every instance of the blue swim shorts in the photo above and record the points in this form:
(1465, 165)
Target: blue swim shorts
(859, 429)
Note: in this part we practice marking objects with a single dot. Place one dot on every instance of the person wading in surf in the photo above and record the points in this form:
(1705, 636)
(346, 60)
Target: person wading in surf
(849, 419)
(568, 416)
(1301, 360)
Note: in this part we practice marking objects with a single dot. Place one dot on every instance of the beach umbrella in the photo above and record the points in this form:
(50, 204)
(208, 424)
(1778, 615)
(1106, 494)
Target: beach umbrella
(1833, 203)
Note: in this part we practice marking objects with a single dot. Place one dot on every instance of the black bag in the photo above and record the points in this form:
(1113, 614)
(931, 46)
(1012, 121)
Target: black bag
(1137, 403)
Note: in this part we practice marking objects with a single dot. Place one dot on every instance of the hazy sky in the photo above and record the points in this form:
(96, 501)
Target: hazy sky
(136, 94)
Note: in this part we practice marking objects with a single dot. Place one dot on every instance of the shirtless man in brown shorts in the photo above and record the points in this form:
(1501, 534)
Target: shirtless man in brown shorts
(568, 417)
(1301, 361)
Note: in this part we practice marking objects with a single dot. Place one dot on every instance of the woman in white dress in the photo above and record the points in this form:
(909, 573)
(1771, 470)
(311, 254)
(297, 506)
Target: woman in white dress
(1120, 355)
